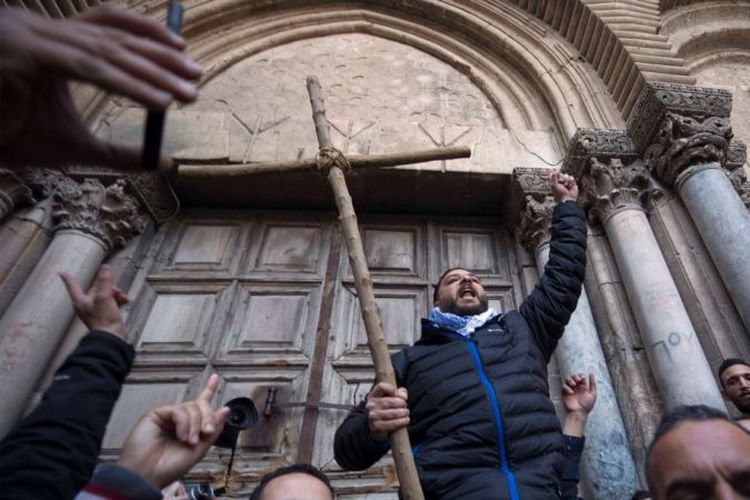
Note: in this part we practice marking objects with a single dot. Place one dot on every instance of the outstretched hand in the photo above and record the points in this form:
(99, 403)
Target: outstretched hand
(563, 186)
(168, 441)
(119, 51)
(99, 308)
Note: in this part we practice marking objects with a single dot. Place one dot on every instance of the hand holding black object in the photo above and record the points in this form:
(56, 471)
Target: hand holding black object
(119, 51)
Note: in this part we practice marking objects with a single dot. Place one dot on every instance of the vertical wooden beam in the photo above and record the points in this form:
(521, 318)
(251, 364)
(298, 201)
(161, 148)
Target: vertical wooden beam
(400, 445)
(317, 366)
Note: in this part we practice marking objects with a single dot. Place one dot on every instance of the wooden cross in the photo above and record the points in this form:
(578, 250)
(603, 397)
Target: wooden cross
(332, 164)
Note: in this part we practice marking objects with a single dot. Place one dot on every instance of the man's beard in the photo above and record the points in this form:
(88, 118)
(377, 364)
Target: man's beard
(469, 310)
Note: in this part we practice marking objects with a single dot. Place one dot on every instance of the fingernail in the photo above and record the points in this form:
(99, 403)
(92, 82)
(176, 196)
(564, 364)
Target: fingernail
(210, 428)
(163, 98)
(194, 438)
(193, 66)
(177, 38)
(188, 89)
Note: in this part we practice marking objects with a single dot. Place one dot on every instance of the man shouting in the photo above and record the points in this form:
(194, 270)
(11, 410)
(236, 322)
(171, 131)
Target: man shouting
(473, 390)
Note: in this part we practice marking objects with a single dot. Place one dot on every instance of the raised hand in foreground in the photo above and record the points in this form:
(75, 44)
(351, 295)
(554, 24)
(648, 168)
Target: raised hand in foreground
(119, 51)
(168, 441)
(99, 308)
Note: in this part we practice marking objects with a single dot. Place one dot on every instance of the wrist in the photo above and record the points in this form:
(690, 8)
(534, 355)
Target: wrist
(567, 198)
(116, 329)
(142, 470)
(575, 423)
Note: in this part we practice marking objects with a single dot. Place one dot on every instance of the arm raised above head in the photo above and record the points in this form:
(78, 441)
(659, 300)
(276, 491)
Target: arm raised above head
(549, 306)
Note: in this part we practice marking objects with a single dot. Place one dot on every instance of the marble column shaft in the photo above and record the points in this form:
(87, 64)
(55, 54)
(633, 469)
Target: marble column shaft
(608, 466)
(613, 180)
(685, 137)
(724, 225)
(679, 364)
(91, 221)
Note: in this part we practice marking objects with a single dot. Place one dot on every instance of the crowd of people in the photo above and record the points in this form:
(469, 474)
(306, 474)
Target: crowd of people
(472, 392)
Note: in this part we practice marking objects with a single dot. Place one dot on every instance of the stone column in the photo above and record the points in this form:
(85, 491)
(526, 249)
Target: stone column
(25, 234)
(613, 180)
(684, 134)
(91, 220)
(13, 192)
(608, 470)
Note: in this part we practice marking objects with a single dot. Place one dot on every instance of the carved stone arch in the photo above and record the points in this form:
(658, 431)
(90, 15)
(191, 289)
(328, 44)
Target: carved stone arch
(621, 40)
(533, 79)
(714, 39)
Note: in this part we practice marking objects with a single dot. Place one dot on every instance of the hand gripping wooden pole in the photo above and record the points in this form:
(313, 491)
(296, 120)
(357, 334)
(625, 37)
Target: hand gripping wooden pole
(400, 445)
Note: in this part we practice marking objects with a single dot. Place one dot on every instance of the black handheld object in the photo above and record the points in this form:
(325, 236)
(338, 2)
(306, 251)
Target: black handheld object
(155, 119)
(242, 416)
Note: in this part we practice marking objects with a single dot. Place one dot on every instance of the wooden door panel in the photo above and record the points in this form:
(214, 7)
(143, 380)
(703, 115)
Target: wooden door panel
(201, 245)
(272, 322)
(137, 398)
(240, 294)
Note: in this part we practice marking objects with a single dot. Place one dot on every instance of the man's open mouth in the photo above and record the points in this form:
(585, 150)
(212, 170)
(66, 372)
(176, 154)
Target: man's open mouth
(467, 294)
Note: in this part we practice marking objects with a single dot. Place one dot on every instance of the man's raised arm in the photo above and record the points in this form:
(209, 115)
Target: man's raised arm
(549, 306)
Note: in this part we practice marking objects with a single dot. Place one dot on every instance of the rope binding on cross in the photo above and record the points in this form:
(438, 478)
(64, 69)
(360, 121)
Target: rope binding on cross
(331, 157)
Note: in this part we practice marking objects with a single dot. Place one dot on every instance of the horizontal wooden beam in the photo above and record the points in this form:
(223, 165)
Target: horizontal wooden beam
(242, 170)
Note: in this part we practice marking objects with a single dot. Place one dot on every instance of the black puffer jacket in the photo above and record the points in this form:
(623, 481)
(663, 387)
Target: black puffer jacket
(482, 423)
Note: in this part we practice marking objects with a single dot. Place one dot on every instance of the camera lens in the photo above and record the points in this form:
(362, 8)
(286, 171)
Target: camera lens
(242, 414)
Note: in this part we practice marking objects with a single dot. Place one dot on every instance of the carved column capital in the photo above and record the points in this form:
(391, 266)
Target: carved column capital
(677, 127)
(13, 192)
(531, 200)
(106, 213)
(41, 181)
(534, 229)
(609, 172)
(735, 165)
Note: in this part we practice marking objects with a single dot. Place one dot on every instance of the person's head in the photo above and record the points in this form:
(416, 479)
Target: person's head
(460, 292)
(294, 482)
(698, 452)
(734, 375)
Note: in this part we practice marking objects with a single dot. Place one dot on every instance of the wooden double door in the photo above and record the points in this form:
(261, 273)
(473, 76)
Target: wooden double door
(267, 301)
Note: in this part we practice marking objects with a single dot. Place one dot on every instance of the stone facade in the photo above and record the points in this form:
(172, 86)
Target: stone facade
(645, 102)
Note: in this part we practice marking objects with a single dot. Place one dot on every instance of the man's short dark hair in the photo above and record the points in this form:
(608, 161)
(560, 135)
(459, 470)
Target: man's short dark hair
(440, 280)
(694, 413)
(728, 363)
(290, 469)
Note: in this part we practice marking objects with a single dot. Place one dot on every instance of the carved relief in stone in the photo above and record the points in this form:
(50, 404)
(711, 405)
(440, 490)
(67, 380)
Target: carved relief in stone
(107, 213)
(736, 158)
(679, 126)
(534, 230)
(532, 201)
(381, 96)
(609, 172)
(13, 192)
(42, 181)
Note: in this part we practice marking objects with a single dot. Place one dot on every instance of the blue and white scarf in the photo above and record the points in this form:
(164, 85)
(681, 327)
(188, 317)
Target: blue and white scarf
(465, 325)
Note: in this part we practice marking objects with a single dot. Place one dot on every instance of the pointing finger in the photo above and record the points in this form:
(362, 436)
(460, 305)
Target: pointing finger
(74, 290)
(209, 389)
